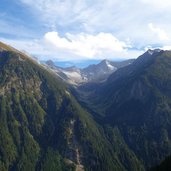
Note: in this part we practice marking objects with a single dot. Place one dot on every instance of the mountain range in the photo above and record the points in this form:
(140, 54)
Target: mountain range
(120, 122)
(92, 73)
(139, 104)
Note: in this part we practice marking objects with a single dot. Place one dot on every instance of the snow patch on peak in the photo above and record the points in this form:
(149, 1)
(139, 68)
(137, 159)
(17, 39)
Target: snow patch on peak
(151, 52)
(93, 73)
(111, 67)
(105, 63)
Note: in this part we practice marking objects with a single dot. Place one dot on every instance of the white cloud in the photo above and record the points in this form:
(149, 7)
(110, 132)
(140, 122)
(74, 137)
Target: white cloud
(112, 16)
(76, 47)
(57, 12)
(158, 31)
(8, 28)
(168, 47)
(84, 29)
(160, 4)
(90, 46)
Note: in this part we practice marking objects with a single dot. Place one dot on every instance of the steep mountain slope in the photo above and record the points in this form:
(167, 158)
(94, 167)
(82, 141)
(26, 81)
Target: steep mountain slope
(43, 127)
(92, 73)
(99, 71)
(136, 100)
(163, 166)
(70, 75)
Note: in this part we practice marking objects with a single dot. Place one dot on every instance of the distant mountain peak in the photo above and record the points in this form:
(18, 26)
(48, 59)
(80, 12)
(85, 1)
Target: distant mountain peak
(151, 52)
(104, 61)
(107, 64)
(93, 73)
(50, 62)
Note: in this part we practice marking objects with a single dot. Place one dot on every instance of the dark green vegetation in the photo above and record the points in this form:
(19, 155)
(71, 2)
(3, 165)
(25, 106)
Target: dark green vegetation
(121, 125)
(137, 101)
(164, 166)
(43, 127)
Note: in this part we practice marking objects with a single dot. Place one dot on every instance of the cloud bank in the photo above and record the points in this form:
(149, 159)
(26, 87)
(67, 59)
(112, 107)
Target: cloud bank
(159, 32)
(86, 45)
(79, 30)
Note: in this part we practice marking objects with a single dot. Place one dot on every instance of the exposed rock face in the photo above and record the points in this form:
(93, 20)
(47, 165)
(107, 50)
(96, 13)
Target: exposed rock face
(93, 73)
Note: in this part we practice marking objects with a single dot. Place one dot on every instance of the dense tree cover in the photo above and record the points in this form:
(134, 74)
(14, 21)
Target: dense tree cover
(43, 127)
(124, 126)
(26, 109)
(136, 101)
(163, 166)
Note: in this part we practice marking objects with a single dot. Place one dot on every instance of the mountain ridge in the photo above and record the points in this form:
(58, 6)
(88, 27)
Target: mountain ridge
(92, 73)
(43, 126)
(122, 124)
(136, 99)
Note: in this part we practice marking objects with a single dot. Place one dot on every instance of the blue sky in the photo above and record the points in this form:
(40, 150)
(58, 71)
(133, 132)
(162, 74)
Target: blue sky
(81, 30)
